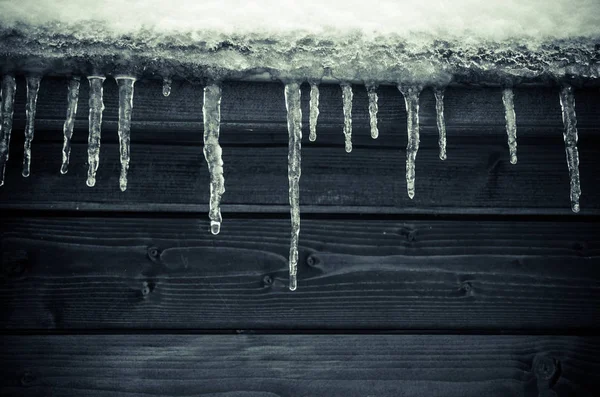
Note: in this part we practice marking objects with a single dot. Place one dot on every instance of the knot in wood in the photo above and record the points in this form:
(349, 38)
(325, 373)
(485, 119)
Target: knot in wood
(545, 367)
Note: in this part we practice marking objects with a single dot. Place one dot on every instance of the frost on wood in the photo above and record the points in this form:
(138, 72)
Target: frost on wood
(314, 111)
(33, 87)
(211, 111)
(347, 107)
(125, 108)
(7, 92)
(411, 100)
(72, 100)
(294, 122)
(95, 127)
(511, 122)
(441, 123)
(373, 109)
(567, 102)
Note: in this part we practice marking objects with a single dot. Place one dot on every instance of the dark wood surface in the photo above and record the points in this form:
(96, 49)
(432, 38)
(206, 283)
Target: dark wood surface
(298, 365)
(96, 285)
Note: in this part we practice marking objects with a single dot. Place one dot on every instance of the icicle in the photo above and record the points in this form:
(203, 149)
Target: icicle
(294, 121)
(125, 108)
(567, 102)
(72, 99)
(167, 81)
(9, 86)
(314, 111)
(411, 99)
(211, 111)
(347, 101)
(373, 109)
(33, 86)
(441, 123)
(511, 122)
(95, 126)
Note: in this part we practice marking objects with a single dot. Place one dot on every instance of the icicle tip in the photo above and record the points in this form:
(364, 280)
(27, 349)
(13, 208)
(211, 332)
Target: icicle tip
(293, 282)
(215, 227)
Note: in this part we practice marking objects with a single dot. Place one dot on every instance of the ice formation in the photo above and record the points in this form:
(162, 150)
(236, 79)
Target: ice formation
(347, 107)
(441, 123)
(95, 126)
(373, 108)
(72, 101)
(126, 84)
(211, 111)
(411, 99)
(7, 92)
(33, 87)
(314, 111)
(294, 122)
(511, 122)
(166, 89)
(567, 102)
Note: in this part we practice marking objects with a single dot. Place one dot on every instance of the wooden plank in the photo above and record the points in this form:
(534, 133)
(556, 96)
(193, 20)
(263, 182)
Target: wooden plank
(477, 177)
(299, 365)
(132, 273)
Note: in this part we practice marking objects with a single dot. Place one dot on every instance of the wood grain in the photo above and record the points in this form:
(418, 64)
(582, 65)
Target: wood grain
(300, 365)
(146, 273)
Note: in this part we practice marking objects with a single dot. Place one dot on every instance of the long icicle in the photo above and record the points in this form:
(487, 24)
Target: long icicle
(411, 100)
(95, 127)
(33, 87)
(211, 111)
(314, 111)
(441, 122)
(294, 121)
(9, 86)
(567, 102)
(72, 101)
(511, 122)
(126, 84)
(347, 106)
(373, 109)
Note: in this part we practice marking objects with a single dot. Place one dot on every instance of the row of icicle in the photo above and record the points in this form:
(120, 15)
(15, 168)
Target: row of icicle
(212, 150)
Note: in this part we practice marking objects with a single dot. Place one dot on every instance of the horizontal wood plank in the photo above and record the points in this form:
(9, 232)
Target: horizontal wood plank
(299, 365)
(125, 273)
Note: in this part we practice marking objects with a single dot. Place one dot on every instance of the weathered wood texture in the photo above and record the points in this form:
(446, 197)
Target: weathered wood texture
(119, 273)
(309, 365)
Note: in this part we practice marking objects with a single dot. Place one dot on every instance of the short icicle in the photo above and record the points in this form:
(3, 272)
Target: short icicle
(511, 122)
(72, 100)
(7, 92)
(347, 105)
(567, 102)
(125, 84)
(294, 121)
(411, 100)
(166, 89)
(211, 111)
(95, 126)
(33, 87)
(314, 111)
(441, 123)
(373, 109)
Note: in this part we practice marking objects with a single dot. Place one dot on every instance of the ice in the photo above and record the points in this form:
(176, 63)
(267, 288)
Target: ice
(441, 123)
(33, 87)
(567, 102)
(125, 109)
(347, 102)
(373, 108)
(166, 89)
(72, 100)
(511, 122)
(411, 99)
(95, 126)
(294, 121)
(314, 111)
(211, 111)
(7, 92)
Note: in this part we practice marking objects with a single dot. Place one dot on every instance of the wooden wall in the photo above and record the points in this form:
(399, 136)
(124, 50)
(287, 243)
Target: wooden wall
(485, 284)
